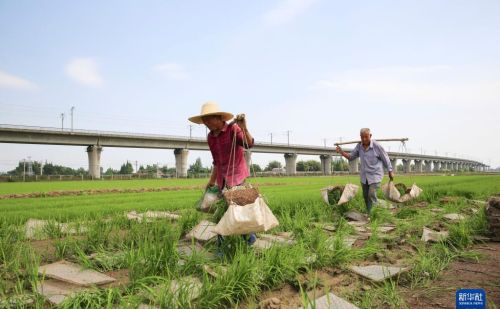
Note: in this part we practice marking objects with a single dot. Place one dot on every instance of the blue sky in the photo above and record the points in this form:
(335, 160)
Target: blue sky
(427, 70)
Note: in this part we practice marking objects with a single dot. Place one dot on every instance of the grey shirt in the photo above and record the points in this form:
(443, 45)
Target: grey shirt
(373, 160)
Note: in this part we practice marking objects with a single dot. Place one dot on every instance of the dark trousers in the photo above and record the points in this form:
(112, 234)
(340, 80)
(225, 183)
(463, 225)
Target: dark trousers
(370, 195)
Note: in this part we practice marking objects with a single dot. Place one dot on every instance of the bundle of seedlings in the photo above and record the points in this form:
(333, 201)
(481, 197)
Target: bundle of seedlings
(338, 195)
(493, 217)
(399, 193)
(208, 201)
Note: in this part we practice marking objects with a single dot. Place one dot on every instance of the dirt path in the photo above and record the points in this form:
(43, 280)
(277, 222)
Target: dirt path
(484, 274)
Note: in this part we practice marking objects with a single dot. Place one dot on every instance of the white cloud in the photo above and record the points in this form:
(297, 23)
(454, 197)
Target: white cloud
(84, 71)
(172, 70)
(416, 85)
(14, 82)
(286, 11)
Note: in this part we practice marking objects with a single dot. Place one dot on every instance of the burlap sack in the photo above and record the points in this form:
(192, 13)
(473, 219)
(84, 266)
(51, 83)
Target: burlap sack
(241, 220)
(390, 192)
(414, 193)
(348, 193)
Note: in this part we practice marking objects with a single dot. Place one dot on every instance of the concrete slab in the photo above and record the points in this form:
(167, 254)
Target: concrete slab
(329, 301)
(384, 228)
(68, 228)
(350, 240)
(149, 215)
(189, 285)
(377, 272)
(385, 204)
(18, 301)
(283, 238)
(74, 274)
(357, 223)
(429, 235)
(187, 249)
(56, 291)
(146, 306)
(34, 228)
(454, 217)
(215, 271)
(161, 214)
(266, 241)
(203, 232)
(355, 215)
(360, 229)
(437, 210)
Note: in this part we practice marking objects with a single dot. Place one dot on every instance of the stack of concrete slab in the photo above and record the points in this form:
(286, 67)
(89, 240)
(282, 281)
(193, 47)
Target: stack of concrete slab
(68, 279)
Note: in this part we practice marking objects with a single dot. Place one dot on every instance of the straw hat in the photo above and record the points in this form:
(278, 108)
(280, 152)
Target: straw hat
(209, 109)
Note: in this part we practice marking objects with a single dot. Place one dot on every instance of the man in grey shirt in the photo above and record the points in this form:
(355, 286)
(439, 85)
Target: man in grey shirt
(373, 160)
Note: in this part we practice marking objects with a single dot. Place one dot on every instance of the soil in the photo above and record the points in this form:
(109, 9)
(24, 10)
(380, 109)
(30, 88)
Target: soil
(108, 191)
(241, 197)
(483, 274)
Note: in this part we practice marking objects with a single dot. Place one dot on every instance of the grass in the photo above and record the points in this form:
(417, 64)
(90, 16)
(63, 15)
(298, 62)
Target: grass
(149, 250)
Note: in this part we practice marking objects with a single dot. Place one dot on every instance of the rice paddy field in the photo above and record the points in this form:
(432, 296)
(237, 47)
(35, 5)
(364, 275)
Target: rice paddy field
(154, 264)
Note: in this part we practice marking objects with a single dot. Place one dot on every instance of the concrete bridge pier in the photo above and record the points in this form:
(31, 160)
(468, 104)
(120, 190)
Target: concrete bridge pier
(181, 162)
(437, 166)
(418, 166)
(406, 166)
(448, 166)
(248, 160)
(326, 164)
(428, 166)
(94, 153)
(454, 166)
(354, 166)
(291, 163)
(394, 163)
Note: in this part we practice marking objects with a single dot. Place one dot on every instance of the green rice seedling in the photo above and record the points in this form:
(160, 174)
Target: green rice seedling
(94, 298)
(243, 279)
(188, 220)
(281, 264)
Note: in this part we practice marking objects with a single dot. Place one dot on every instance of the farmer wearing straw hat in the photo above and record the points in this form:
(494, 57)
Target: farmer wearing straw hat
(230, 168)
(373, 160)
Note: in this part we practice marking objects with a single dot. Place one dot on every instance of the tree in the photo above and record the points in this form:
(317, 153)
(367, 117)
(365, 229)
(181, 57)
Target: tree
(255, 168)
(340, 165)
(197, 167)
(308, 166)
(272, 164)
(126, 168)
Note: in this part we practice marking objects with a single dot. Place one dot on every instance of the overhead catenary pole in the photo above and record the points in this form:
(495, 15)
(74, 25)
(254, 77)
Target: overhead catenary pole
(62, 121)
(72, 110)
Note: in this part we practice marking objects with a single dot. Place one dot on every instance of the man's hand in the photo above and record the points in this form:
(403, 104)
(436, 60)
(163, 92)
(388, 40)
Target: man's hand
(338, 149)
(391, 176)
(241, 121)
